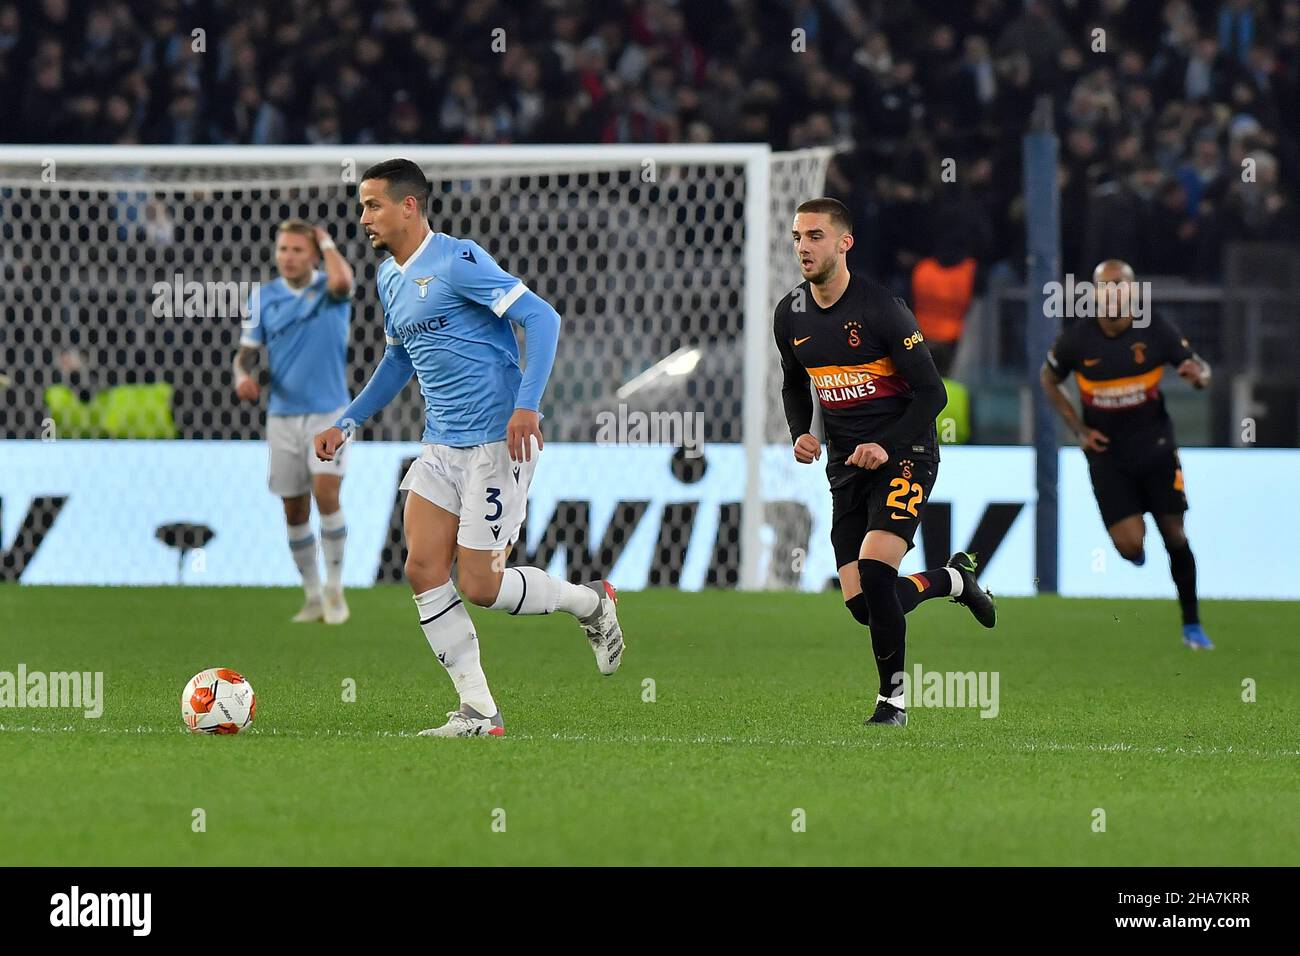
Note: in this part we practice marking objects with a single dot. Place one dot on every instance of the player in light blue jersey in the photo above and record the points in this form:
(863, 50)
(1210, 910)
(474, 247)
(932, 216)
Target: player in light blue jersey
(302, 319)
(449, 317)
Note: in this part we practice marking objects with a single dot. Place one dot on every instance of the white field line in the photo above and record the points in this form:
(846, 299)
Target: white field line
(892, 742)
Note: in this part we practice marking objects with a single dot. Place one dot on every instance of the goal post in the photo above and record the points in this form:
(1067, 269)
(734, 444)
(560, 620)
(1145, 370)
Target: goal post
(647, 251)
(758, 347)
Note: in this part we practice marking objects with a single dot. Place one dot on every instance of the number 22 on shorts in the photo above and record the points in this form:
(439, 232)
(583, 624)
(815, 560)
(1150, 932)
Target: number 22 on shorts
(901, 487)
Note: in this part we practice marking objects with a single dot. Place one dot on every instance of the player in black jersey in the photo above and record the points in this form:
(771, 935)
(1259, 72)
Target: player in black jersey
(1126, 433)
(880, 394)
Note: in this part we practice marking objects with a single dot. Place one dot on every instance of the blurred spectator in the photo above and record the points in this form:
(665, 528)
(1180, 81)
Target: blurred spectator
(1173, 233)
(1157, 129)
(1237, 25)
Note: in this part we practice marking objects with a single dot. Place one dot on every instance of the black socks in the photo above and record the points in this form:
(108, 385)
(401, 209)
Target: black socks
(1182, 565)
(912, 590)
(923, 586)
(888, 625)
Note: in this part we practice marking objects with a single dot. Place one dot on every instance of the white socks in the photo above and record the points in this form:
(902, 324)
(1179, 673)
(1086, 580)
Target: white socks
(450, 632)
(333, 542)
(303, 545)
(533, 591)
(955, 577)
(898, 701)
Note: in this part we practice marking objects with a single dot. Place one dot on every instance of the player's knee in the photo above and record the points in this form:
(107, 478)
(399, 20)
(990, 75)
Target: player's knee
(879, 581)
(1129, 545)
(857, 606)
(481, 590)
(1130, 550)
(297, 511)
(1174, 537)
(325, 489)
(423, 574)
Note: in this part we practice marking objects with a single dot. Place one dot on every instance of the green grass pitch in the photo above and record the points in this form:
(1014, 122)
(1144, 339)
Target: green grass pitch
(758, 712)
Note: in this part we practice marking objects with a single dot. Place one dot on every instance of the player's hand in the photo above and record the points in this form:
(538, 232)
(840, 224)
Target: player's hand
(327, 443)
(1092, 440)
(248, 389)
(1194, 372)
(869, 456)
(322, 236)
(807, 449)
(524, 424)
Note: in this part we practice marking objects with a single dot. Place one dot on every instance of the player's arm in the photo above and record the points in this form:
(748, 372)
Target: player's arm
(912, 360)
(1188, 364)
(1059, 364)
(338, 274)
(250, 343)
(795, 395)
(476, 276)
(390, 377)
(246, 386)
(541, 325)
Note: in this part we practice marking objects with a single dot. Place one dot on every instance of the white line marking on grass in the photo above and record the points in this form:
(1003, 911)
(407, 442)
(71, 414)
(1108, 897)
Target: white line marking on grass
(893, 741)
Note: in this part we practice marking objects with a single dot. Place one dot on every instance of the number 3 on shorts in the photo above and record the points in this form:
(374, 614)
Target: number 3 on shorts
(494, 498)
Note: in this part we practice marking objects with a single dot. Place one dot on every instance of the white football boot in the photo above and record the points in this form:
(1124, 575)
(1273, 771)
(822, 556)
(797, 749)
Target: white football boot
(467, 722)
(603, 631)
(313, 610)
(336, 608)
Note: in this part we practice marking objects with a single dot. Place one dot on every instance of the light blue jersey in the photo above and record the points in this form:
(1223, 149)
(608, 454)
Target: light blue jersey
(447, 316)
(305, 332)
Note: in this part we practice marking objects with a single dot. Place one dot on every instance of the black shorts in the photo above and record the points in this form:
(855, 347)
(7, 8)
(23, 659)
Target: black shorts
(1123, 488)
(891, 498)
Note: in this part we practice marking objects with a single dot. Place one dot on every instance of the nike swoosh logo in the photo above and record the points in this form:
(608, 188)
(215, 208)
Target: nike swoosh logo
(900, 517)
(802, 340)
(1091, 362)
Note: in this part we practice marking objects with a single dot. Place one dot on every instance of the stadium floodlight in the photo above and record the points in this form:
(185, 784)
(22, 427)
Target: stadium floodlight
(678, 364)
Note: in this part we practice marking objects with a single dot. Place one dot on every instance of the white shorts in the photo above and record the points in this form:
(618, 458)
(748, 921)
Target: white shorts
(293, 454)
(481, 484)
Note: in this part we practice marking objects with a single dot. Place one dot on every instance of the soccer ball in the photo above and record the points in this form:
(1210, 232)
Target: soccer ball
(217, 701)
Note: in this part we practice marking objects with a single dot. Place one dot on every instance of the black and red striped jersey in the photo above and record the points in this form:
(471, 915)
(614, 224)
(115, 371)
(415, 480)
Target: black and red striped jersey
(868, 364)
(1119, 380)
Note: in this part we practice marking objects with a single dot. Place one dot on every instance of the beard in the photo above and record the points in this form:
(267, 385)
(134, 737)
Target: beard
(825, 273)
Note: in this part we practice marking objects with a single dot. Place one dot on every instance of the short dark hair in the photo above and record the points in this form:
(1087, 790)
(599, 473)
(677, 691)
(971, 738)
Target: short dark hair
(404, 177)
(838, 212)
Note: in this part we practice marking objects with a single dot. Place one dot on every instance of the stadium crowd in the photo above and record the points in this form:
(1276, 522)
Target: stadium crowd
(1158, 114)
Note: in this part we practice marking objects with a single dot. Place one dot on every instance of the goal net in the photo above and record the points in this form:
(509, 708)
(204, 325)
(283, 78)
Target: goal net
(130, 267)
